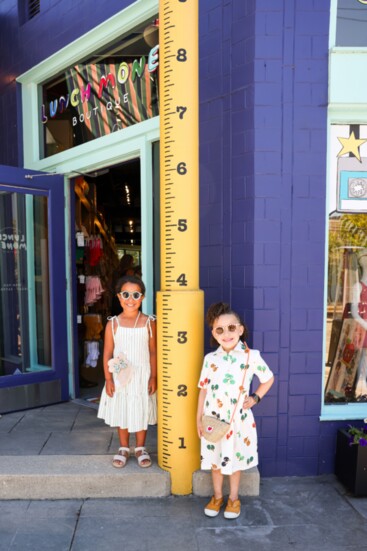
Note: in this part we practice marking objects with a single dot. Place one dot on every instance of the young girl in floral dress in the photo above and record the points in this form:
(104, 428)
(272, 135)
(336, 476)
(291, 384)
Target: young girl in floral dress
(225, 379)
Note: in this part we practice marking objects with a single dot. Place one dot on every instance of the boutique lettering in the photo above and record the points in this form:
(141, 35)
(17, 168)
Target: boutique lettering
(109, 82)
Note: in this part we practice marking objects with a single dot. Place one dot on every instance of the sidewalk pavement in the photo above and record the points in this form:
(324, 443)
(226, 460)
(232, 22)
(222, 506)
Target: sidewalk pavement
(313, 513)
(70, 428)
(297, 514)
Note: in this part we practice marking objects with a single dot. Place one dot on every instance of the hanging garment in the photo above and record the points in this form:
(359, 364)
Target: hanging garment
(91, 353)
(93, 290)
(93, 326)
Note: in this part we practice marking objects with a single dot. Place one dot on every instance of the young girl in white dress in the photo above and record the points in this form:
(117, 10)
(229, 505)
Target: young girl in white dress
(128, 399)
(225, 380)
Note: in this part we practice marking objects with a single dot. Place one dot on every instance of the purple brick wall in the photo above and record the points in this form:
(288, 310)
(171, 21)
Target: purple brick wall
(263, 186)
(263, 106)
(301, 263)
(227, 44)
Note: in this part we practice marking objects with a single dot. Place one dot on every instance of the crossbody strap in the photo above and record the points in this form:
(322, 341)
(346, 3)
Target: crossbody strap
(243, 380)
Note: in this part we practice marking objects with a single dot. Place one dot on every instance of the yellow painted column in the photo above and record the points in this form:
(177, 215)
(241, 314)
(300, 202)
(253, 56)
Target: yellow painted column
(180, 303)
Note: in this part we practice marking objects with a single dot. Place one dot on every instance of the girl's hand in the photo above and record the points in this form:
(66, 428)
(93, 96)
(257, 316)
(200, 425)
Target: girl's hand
(152, 385)
(199, 427)
(110, 387)
(248, 402)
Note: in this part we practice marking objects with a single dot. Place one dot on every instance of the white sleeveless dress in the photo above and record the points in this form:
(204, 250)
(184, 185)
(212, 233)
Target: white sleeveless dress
(131, 407)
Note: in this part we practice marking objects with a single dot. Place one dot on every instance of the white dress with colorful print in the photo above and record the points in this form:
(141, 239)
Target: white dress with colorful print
(222, 376)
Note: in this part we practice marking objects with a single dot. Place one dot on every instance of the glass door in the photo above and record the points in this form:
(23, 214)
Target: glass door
(33, 336)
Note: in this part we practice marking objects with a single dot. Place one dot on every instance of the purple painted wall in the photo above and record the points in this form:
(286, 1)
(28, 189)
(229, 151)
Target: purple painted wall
(263, 85)
(263, 108)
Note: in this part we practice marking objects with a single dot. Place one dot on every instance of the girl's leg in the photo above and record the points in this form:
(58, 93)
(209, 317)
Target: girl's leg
(234, 485)
(140, 438)
(213, 507)
(123, 437)
(233, 508)
(217, 479)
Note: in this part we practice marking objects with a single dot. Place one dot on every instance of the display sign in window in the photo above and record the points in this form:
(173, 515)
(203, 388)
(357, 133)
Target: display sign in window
(351, 23)
(25, 324)
(115, 88)
(346, 322)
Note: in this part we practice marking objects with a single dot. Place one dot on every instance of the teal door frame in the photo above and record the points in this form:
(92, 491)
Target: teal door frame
(132, 142)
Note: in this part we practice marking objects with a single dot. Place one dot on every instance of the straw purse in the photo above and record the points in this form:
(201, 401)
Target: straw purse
(215, 429)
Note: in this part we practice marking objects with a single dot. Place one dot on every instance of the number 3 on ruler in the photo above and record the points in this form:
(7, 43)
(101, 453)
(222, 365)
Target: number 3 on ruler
(182, 337)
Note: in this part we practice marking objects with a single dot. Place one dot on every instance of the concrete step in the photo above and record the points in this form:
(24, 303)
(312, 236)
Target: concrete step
(92, 476)
(78, 477)
(249, 485)
(64, 452)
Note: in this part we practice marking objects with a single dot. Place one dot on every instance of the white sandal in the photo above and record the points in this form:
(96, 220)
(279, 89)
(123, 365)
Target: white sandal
(144, 456)
(121, 458)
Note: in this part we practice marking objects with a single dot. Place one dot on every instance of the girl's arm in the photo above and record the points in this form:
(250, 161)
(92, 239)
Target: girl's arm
(107, 355)
(200, 411)
(152, 384)
(261, 390)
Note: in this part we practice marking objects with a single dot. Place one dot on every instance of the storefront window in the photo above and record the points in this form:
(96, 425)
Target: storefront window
(351, 23)
(115, 88)
(25, 343)
(346, 324)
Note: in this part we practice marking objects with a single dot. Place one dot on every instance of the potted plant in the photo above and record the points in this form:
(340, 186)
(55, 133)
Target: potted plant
(351, 458)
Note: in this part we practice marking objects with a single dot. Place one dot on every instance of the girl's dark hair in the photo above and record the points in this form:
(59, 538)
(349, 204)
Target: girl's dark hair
(221, 309)
(130, 279)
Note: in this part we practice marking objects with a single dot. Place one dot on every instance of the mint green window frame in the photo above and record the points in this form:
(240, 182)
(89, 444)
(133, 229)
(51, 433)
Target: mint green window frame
(346, 105)
(132, 142)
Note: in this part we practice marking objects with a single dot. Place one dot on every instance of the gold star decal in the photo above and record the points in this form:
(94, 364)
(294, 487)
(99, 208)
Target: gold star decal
(351, 145)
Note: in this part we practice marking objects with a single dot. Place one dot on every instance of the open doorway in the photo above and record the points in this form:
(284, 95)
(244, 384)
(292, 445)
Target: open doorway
(108, 240)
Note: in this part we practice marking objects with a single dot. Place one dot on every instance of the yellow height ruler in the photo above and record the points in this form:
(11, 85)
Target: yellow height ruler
(180, 302)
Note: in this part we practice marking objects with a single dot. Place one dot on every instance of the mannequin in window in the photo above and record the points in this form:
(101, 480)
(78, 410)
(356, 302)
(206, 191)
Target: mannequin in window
(359, 313)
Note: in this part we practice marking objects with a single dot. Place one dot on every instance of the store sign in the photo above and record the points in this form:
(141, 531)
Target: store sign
(114, 89)
(348, 168)
(92, 93)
